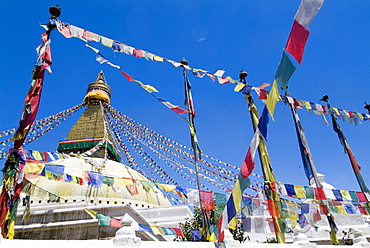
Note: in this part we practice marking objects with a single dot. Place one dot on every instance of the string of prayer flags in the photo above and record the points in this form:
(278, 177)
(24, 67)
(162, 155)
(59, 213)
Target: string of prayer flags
(101, 59)
(70, 31)
(319, 109)
(174, 108)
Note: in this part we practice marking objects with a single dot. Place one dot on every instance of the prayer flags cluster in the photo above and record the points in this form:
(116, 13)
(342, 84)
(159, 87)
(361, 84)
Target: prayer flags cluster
(106, 220)
(319, 109)
(69, 31)
(15, 164)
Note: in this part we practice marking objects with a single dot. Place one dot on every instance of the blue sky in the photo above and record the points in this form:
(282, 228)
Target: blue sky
(211, 35)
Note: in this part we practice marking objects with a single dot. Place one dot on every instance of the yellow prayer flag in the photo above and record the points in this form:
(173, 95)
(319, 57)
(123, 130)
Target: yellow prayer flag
(232, 223)
(299, 191)
(213, 238)
(92, 213)
(166, 187)
(306, 104)
(239, 87)
(237, 195)
(341, 210)
(10, 234)
(92, 48)
(34, 168)
(272, 99)
(149, 88)
(157, 230)
(336, 111)
(120, 182)
(158, 58)
(36, 155)
(346, 194)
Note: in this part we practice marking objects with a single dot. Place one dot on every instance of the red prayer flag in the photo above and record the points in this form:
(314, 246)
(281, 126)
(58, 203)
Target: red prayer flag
(179, 232)
(263, 94)
(132, 189)
(32, 101)
(324, 209)
(319, 194)
(248, 163)
(362, 210)
(272, 208)
(361, 197)
(138, 53)
(115, 222)
(207, 199)
(297, 41)
(129, 78)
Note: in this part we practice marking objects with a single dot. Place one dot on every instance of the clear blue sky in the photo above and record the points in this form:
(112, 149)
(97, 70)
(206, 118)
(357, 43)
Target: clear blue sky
(211, 35)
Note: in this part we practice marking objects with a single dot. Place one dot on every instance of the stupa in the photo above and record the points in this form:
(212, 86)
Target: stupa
(57, 207)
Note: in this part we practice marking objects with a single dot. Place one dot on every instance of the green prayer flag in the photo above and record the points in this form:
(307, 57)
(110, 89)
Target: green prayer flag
(284, 71)
(108, 180)
(103, 220)
(147, 185)
(309, 192)
(353, 196)
(244, 183)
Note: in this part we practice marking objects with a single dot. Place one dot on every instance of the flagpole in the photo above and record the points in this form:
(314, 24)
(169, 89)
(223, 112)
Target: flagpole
(308, 163)
(194, 142)
(268, 173)
(306, 155)
(347, 149)
(13, 182)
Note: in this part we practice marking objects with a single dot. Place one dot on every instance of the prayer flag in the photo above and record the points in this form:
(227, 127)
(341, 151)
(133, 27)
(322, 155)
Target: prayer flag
(179, 232)
(196, 234)
(207, 199)
(138, 53)
(32, 101)
(144, 228)
(115, 222)
(263, 121)
(284, 71)
(117, 46)
(101, 59)
(248, 163)
(272, 99)
(319, 194)
(174, 108)
(361, 197)
(297, 41)
(129, 78)
(307, 11)
(132, 189)
(272, 208)
(106, 41)
(103, 220)
(92, 213)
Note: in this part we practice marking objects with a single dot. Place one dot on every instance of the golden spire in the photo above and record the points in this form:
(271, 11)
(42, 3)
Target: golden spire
(98, 91)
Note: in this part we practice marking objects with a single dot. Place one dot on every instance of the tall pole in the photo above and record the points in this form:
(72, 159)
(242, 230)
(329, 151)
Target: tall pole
(306, 155)
(309, 166)
(194, 142)
(347, 149)
(267, 170)
(14, 168)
